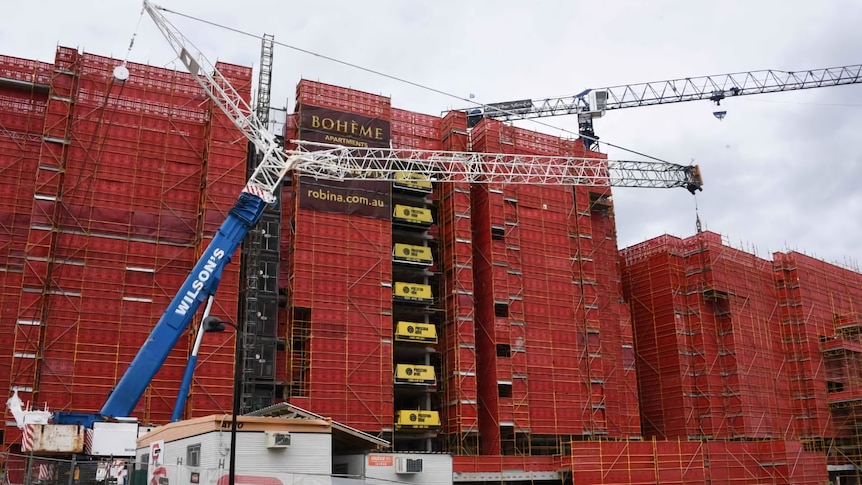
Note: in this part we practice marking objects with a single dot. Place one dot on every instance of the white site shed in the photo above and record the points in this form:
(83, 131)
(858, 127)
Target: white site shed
(269, 451)
(353, 457)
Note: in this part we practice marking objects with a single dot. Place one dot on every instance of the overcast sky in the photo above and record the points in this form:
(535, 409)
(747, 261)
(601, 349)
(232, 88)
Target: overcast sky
(781, 170)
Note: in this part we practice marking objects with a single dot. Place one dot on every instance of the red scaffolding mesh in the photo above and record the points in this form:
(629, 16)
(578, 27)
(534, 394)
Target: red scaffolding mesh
(732, 346)
(820, 322)
(341, 356)
(705, 318)
(106, 213)
(114, 228)
(459, 408)
(554, 344)
(23, 96)
(687, 462)
(340, 329)
(343, 99)
(491, 467)
(223, 176)
(415, 130)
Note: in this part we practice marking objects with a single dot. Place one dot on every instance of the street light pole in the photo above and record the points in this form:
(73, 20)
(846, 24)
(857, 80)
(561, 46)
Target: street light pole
(213, 324)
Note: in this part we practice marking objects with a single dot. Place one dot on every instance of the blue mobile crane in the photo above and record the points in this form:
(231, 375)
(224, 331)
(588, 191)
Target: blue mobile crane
(112, 432)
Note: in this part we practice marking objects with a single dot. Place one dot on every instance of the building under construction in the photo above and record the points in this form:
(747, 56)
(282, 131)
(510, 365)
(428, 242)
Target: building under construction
(498, 323)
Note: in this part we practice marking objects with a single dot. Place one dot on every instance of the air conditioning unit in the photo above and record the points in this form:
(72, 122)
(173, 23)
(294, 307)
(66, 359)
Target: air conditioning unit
(404, 465)
(277, 439)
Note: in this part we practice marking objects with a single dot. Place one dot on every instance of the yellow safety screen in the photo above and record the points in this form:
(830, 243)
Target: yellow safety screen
(413, 254)
(413, 180)
(416, 215)
(417, 419)
(416, 332)
(415, 373)
(413, 292)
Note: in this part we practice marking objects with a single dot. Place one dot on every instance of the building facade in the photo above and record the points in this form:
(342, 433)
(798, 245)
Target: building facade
(498, 324)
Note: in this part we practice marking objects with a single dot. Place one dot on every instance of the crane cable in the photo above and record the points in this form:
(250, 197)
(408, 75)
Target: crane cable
(132, 41)
(401, 80)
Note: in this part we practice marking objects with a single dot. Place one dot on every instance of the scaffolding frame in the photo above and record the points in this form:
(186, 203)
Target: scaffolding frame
(84, 239)
(28, 349)
(461, 434)
(822, 300)
(336, 327)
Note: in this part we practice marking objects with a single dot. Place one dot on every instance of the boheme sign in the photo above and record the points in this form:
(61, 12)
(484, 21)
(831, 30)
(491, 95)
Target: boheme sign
(366, 198)
(341, 128)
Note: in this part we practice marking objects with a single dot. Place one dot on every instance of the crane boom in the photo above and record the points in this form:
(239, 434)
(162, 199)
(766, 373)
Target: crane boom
(274, 163)
(199, 285)
(714, 88)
